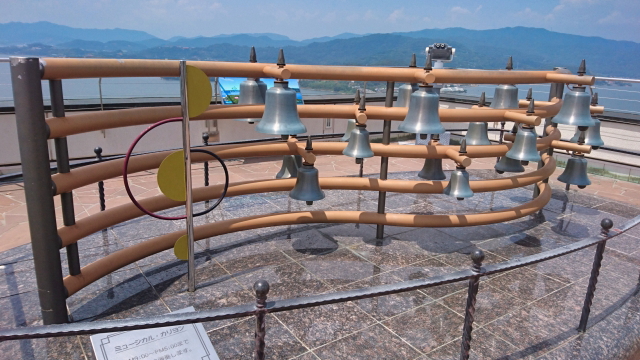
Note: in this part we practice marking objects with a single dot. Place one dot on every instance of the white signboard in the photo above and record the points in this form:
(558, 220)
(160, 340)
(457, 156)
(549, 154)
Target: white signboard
(180, 342)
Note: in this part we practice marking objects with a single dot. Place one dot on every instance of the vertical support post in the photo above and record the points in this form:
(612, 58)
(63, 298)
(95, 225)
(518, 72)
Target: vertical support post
(205, 141)
(186, 147)
(606, 225)
(261, 289)
(477, 257)
(103, 205)
(62, 161)
(501, 140)
(384, 161)
(34, 154)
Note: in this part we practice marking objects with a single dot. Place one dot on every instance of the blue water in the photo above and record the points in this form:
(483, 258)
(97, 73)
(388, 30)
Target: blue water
(613, 98)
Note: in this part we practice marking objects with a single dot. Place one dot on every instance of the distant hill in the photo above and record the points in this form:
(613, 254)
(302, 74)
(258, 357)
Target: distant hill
(18, 33)
(531, 48)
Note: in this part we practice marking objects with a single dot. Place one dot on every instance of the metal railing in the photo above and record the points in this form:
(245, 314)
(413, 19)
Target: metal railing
(262, 307)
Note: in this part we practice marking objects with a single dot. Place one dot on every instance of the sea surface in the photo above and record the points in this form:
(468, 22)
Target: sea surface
(615, 97)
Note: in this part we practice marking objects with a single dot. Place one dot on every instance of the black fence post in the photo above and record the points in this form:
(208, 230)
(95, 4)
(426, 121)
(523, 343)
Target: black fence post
(261, 288)
(477, 257)
(606, 225)
(103, 206)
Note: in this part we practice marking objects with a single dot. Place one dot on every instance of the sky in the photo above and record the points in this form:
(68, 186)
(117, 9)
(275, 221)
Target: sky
(611, 19)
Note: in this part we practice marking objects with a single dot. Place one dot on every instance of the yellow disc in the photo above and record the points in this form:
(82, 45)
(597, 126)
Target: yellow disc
(181, 248)
(198, 91)
(171, 177)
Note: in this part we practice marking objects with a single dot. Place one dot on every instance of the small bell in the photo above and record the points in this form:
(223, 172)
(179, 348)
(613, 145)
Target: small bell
(252, 92)
(575, 109)
(404, 94)
(422, 116)
(576, 172)
(281, 112)
(290, 165)
(432, 170)
(351, 123)
(359, 146)
(458, 186)
(477, 134)
(524, 146)
(505, 97)
(307, 186)
(508, 165)
(592, 134)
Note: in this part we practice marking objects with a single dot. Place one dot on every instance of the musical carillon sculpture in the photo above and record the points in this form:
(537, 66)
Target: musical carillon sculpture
(301, 175)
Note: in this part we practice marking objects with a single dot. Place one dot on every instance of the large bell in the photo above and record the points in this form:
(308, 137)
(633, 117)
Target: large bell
(290, 165)
(524, 146)
(508, 165)
(459, 184)
(575, 109)
(592, 135)
(576, 172)
(432, 170)
(505, 97)
(351, 124)
(477, 134)
(252, 92)
(422, 116)
(359, 146)
(281, 112)
(404, 94)
(307, 186)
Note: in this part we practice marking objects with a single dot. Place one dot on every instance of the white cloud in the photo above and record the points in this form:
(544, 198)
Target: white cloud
(396, 15)
(460, 10)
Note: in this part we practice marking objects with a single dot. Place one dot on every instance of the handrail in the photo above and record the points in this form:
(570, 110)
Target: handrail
(65, 68)
(97, 327)
(102, 220)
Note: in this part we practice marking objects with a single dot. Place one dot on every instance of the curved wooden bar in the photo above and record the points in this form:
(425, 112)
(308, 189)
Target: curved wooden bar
(125, 212)
(90, 174)
(121, 258)
(57, 68)
(458, 158)
(102, 120)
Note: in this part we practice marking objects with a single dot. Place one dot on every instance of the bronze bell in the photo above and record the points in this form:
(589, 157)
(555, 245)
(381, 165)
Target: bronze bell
(505, 97)
(422, 116)
(524, 146)
(432, 170)
(359, 146)
(477, 134)
(290, 165)
(575, 109)
(458, 186)
(252, 92)
(576, 172)
(281, 112)
(307, 186)
(508, 165)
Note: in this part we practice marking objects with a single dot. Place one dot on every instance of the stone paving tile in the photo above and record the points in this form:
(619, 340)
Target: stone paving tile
(366, 344)
(236, 341)
(36, 349)
(429, 268)
(340, 267)
(391, 253)
(525, 284)
(426, 327)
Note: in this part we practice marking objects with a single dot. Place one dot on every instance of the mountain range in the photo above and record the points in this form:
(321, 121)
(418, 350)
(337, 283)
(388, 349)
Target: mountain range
(531, 48)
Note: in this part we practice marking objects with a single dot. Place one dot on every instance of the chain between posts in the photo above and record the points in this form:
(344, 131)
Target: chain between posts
(474, 283)
(606, 225)
(261, 289)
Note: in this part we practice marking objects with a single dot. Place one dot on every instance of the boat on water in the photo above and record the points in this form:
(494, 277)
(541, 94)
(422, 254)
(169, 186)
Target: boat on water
(452, 89)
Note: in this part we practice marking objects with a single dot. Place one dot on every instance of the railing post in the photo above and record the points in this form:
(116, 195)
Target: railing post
(34, 155)
(261, 289)
(62, 161)
(384, 161)
(103, 206)
(606, 225)
(477, 257)
(205, 141)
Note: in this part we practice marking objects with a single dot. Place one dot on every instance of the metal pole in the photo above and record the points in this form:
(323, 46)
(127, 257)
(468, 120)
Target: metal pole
(606, 224)
(103, 206)
(186, 147)
(205, 141)
(474, 283)
(62, 160)
(384, 161)
(34, 155)
(261, 289)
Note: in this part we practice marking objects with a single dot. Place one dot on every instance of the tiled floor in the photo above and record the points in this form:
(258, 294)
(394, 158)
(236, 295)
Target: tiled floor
(526, 313)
